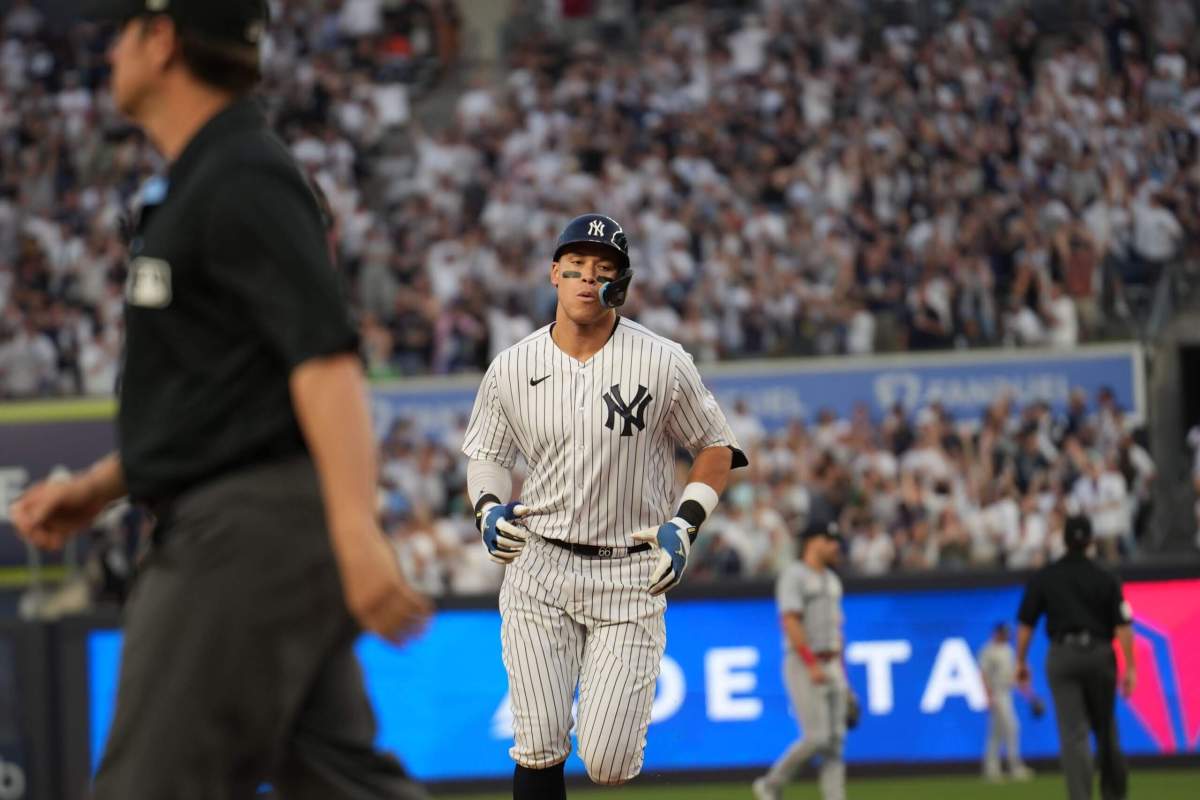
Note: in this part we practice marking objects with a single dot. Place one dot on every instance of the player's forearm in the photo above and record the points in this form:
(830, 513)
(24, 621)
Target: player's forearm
(793, 629)
(711, 467)
(1125, 640)
(330, 399)
(706, 481)
(487, 479)
(104, 481)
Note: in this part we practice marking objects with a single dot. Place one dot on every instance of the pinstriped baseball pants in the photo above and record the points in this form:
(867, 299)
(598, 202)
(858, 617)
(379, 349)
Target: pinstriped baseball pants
(572, 621)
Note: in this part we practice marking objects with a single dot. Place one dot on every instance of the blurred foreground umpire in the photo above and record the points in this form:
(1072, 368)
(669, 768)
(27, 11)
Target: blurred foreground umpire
(1084, 608)
(243, 427)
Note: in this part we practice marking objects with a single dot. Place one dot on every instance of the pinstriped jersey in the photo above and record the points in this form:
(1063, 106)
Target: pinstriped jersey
(599, 436)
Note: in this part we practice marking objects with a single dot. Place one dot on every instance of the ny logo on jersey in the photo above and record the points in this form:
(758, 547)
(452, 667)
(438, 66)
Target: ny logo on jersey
(633, 412)
(596, 228)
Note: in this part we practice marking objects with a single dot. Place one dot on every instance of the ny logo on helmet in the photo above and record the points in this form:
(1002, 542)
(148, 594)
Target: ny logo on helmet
(596, 228)
(633, 412)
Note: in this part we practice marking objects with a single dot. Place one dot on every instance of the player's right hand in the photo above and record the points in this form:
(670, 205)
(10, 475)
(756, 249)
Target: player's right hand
(503, 535)
(376, 593)
(816, 673)
(53, 511)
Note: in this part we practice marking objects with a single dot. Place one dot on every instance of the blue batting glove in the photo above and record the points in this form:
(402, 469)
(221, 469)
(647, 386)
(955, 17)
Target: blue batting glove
(503, 535)
(674, 543)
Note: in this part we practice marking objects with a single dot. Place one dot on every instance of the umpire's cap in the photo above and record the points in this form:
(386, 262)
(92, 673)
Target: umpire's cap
(237, 22)
(1077, 532)
(826, 528)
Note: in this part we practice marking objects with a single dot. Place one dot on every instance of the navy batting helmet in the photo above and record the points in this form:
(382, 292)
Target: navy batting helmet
(606, 231)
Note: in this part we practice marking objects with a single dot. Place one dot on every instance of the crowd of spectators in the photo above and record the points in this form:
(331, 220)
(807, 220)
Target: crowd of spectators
(794, 183)
(795, 177)
(338, 81)
(911, 492)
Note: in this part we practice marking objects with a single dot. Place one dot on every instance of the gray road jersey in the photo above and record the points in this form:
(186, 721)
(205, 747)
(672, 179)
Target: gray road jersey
(998, 666)
(817, 597)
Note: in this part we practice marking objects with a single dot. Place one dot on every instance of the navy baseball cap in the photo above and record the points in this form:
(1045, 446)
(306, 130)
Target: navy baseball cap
(238, 22)
(825, 528)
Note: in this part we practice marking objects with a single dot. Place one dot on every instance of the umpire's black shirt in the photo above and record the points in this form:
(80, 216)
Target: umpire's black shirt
(1076, 595)
(230, 287)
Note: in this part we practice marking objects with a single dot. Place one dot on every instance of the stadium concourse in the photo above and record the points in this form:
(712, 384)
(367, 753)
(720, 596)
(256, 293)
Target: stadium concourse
(795, 179)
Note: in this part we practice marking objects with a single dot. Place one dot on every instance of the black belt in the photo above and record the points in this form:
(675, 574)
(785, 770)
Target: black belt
(1077, 639)
(592, 551)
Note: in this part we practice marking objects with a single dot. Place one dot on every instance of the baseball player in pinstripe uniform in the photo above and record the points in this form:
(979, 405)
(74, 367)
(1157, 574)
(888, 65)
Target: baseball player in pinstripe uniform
(597, 405)
(809, 596)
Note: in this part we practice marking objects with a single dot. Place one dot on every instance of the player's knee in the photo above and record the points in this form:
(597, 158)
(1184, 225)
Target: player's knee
(605, 775)
(823, 741)
(605, 770)
(835, 746)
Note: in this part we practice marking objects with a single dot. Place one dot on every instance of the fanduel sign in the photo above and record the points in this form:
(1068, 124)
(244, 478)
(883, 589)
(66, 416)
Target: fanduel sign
(779, 392)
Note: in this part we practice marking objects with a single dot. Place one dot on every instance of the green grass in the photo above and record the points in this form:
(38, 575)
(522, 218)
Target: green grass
(1155, 784)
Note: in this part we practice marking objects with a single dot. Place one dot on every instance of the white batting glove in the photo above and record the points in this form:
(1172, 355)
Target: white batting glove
(674, 543)
(503, 535)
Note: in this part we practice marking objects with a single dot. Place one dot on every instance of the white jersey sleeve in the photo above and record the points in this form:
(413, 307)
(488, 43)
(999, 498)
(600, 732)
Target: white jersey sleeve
(489, 435)
(695, 420)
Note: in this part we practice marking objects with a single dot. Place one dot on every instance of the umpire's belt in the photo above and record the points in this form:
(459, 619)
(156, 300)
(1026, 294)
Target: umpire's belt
(1077, 639)
(592, 551)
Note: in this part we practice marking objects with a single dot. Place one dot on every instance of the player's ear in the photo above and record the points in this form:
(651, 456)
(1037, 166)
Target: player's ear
(555, 274)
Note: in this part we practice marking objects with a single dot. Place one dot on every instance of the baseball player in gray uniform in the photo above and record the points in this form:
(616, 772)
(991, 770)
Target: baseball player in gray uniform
(597, 405)
(998, 668)
(809, 596)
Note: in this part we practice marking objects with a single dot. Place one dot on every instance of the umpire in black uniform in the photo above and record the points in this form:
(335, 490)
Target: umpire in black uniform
(244, 427)
(1084, 608)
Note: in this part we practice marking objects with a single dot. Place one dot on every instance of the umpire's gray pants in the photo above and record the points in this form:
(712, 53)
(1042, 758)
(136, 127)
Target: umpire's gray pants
(238, 665)
(821, 709)
(1083, 681)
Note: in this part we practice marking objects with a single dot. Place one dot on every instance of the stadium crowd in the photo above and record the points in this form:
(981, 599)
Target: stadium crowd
(338, 79)
(914, 491)
(794, 180)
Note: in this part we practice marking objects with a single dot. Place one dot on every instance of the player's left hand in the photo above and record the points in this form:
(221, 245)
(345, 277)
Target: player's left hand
(674, 543)
(1023, 680)
(853, 711)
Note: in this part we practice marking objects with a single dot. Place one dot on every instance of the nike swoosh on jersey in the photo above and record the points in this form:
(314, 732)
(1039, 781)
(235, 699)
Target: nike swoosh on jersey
(533, 382)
